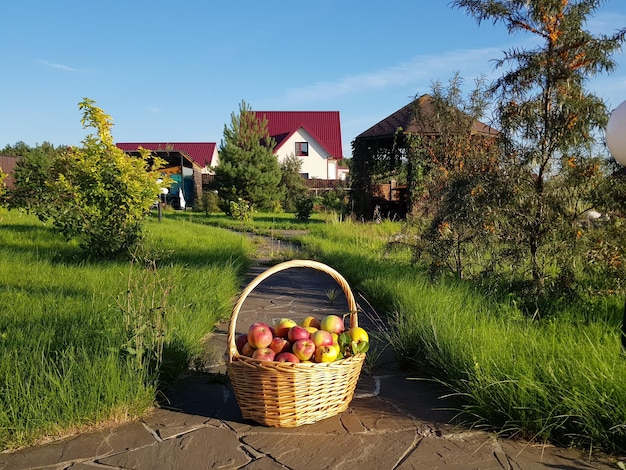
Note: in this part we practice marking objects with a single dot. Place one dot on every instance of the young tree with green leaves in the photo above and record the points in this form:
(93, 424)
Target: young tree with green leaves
(453, 162)
(30, 175)
(291, 182)
(548, 121)
(98, 193)
(248, 169)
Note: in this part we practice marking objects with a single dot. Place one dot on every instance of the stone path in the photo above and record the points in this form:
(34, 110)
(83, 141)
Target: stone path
(393, 422)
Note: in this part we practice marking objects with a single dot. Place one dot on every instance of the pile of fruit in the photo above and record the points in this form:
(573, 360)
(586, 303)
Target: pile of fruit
(312, 340)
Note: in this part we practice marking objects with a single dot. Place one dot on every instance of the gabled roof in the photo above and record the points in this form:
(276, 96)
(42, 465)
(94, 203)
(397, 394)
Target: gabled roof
(323, 126)
(405, 118)
(200, 152)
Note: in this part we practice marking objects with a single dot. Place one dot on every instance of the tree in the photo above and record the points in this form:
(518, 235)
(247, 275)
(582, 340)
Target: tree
(248, 169)
(291, 182)
(453, 163)
(548, 120)
(100, 194)
(30, 174)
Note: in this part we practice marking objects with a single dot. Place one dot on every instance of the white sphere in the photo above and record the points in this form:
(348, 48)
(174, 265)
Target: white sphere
(616, 134)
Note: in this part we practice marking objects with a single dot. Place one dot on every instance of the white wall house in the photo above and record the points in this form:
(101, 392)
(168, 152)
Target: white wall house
(316, 161)
(312, 136)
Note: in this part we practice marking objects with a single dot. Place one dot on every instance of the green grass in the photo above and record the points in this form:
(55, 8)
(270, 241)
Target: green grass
(559, 380)
(263, 223)
(62, 332)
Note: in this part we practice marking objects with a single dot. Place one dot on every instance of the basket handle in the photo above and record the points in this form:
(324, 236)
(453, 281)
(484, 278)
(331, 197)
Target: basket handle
(354, 322)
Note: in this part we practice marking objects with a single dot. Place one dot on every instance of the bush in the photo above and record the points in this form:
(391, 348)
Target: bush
(240, 209)
(98, 193)
(304, 207)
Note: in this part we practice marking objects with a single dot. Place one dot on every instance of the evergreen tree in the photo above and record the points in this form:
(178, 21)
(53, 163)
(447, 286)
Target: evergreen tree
(548, 121)
(248, 169)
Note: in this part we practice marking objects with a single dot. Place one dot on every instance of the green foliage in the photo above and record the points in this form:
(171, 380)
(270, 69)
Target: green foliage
(241, 210)
(98, 193)
(551, 380)
(291, 182)
(248, 168)
(451, 191)
(335, 200)
(209, 202)
(549, 123)
(304, 207)
(31, 174)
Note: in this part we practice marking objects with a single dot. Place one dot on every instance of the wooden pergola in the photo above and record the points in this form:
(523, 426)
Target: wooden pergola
(381, 149)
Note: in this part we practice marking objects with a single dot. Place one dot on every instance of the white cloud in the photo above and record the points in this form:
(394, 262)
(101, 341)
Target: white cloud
(154, 109)
(67, 68)
(423, 68)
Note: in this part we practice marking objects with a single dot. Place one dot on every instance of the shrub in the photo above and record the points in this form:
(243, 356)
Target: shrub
(98, 193)
(304, 207)
(240, 209)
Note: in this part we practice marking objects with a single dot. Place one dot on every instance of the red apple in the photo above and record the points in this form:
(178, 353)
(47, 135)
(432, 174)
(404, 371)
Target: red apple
(283, 326)
(287, 357)
(322, 338)
(326, 354)
(259, 335)
(240, 341)
(304, 349)
(280, 345)
(247, 349)
(332, 323)
(298, 332)
(264, 354)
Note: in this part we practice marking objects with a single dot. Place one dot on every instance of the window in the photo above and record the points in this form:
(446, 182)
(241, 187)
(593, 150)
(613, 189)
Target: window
(302, 149)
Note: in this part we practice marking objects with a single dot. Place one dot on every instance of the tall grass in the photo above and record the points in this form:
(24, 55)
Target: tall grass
(64, 361)
(559, 380)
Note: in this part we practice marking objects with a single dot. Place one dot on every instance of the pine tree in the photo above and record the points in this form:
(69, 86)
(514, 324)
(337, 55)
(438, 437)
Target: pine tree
(248, 169)
(549, 122)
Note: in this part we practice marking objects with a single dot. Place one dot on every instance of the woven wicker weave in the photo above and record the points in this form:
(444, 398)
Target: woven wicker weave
(285, 394)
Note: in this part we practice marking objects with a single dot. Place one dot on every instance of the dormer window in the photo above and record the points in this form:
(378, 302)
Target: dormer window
(302, 149)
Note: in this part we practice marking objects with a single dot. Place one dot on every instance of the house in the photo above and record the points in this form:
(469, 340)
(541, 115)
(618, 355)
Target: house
(186, 162)
(312, 136)
(381, 149)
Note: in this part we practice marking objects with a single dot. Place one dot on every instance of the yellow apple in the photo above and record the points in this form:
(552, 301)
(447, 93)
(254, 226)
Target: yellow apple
(326, 354)
(311, 321)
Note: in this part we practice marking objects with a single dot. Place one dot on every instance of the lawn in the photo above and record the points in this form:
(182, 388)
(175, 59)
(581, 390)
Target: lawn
(69, 357)
(557, 380)
(70, 329)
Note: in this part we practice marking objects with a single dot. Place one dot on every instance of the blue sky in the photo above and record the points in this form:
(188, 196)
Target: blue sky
(176, 71)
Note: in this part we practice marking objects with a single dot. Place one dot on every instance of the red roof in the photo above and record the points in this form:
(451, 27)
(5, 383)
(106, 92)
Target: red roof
(200, 152)
(324, 126)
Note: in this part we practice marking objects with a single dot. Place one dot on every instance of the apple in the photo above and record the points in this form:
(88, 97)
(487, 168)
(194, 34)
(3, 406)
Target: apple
(332, 323)
(304, 349)
(259, 335)
(326, 353)
(247, 349)
(358, 334)
(283, 326)
(322, 338)
(240, 341)
(280, 345)
(311, 321)
(310, 329)
(264, 354)
(287, 357)
(298, 332)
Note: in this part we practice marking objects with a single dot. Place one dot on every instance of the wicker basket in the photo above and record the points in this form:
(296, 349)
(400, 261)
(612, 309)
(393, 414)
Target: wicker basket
(285, 394)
